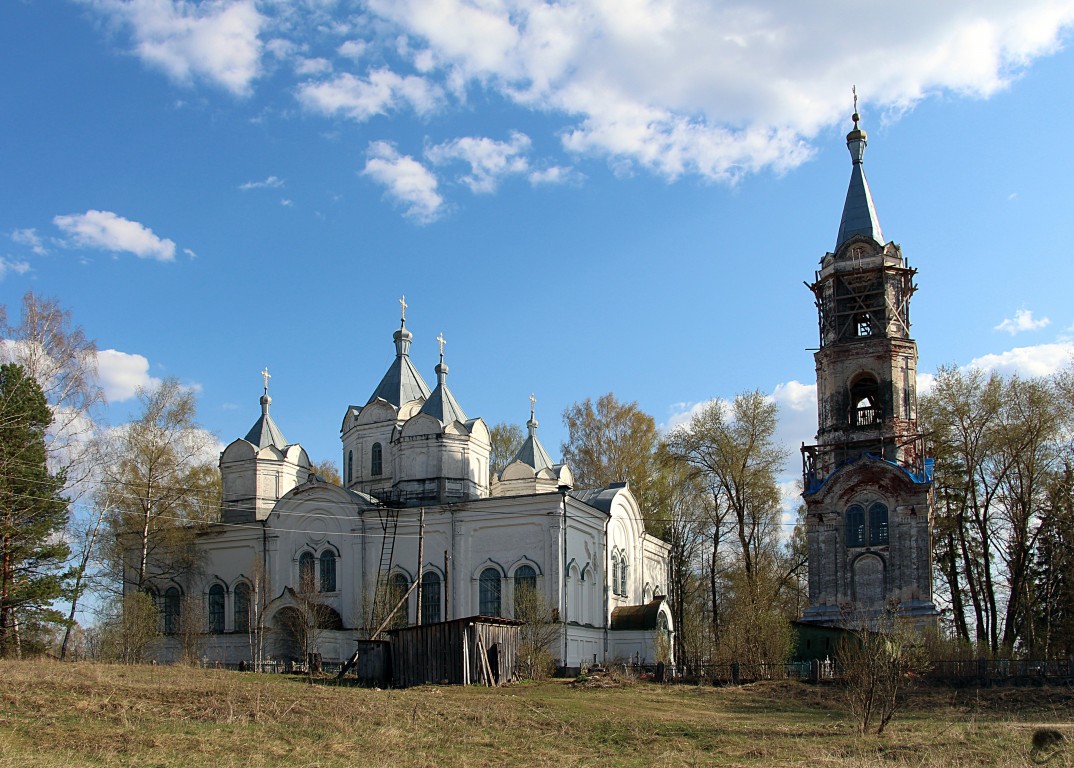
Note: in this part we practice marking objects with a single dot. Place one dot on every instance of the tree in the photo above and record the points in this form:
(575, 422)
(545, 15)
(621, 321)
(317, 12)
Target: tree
(64, 363)
(130, 628)
(732, 446)
(1053, 573)
(33, 512)
(729, 449)
(301, 624)
(999, 446)
(535, 660)
(193, 622)
(610, 442)
(505, 440)
(880, 661)
(161, 480)
(682, 502)
(327, 469)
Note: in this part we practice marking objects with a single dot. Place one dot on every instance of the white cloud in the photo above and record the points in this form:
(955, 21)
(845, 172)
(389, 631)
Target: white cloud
(1023, 320)
(352, 49)
(489, 160)
(407, 181)
(13, 266)
(121, 374)
(216, 40)
(554, 174)
(925, 383)
(720, 89)
(1039, 360)
(361, 98)
(313, 66)
(30, 239)
(106, 230)
(272, 182)
(286, 202)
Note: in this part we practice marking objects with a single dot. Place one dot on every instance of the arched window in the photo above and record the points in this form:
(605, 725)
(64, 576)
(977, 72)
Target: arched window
(878, 524)
(430, 597)
(172, 603)
(242, 607)
(615, 572)
(216, 609)
(855, 526)
(525, 578)
(865, 408)
(623, 577)
(489, 592)
(305, 572)
(350, 466)
(377, 463)
(328, 571)
(397, 587)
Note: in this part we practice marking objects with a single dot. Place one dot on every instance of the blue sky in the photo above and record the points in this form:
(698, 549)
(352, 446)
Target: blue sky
(583, 197)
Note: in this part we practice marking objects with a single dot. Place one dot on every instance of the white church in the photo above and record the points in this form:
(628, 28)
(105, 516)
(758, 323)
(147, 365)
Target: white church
(416, 475)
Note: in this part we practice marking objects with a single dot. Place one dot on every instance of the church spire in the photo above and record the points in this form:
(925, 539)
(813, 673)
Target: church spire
(264, 431)
(531, 452)
(401, 382)
(859, 213)
(441, 403)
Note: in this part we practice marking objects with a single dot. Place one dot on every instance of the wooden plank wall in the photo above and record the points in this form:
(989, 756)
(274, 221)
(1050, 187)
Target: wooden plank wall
(448, 652)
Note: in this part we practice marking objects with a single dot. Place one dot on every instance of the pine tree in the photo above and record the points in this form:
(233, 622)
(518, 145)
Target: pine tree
(32, 512)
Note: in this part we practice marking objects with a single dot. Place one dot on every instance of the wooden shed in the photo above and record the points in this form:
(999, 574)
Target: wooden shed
(480, 650)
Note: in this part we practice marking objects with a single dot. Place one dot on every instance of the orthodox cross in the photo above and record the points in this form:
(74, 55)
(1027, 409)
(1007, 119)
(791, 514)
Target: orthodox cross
(533, 404)
(403, 305)
(265, 374)
(854, 91)
(442, 341)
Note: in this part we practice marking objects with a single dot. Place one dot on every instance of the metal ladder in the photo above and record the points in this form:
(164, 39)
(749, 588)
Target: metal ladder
(389, 523)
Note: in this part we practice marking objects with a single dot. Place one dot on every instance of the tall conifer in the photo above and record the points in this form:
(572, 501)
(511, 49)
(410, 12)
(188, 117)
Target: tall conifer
(32, 512)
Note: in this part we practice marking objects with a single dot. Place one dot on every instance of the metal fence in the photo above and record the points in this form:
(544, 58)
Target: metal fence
(984, 672)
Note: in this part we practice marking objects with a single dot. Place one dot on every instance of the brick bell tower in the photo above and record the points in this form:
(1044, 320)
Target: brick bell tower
(867, 482)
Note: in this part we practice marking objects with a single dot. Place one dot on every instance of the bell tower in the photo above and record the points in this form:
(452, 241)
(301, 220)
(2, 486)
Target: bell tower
(867, 483)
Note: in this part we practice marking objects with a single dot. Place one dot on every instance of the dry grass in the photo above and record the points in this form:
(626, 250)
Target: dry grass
(96, 715)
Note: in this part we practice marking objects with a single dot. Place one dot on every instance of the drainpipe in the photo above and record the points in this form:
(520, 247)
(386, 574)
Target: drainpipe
(563, 573)
(604, 572)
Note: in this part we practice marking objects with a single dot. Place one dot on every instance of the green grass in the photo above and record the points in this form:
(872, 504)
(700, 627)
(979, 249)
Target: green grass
(97, 715)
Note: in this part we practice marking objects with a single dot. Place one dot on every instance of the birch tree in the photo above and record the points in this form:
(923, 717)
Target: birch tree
(160, 480)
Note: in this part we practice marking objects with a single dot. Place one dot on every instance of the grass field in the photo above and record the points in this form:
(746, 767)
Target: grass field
(55, 714)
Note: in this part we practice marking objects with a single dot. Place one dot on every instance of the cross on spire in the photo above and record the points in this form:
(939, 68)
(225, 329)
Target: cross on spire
(533, 404)
(403, 306)
(442, 341)
(854, 91)
(266, 376)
